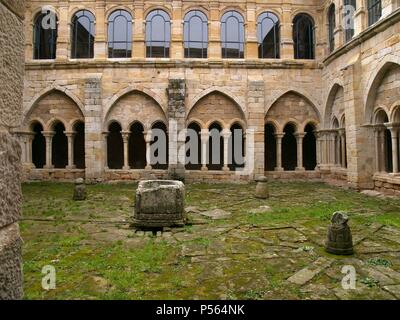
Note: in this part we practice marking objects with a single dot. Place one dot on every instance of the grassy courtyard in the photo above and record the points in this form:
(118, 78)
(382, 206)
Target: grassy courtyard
(249, 254)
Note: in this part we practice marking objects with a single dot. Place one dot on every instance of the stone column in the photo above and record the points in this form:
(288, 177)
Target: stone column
(318, 138)
(49, 150)
(125, 139)
(105, 150)
(214, 32)
(29, 141)
(70, 137)
(226, 134)
(138, 34)
(394, 130)
(148, 137)
(279, 137)
(11, 93)
(342, 134)
(377, 149)
(299, 139)
(383, 147)
(204, 136)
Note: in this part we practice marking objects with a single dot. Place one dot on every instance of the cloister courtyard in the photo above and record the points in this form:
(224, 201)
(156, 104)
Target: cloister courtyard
(235, 245)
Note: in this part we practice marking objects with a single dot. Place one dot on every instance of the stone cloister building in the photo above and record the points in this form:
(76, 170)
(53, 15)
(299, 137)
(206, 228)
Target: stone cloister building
(314, 87)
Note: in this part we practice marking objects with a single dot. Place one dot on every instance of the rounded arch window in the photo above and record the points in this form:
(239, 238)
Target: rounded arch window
(268, 35)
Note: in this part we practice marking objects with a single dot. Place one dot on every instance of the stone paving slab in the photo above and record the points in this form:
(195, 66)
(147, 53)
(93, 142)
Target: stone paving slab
(305, 275)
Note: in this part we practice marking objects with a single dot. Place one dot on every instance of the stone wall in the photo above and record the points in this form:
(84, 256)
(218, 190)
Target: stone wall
(11, 79)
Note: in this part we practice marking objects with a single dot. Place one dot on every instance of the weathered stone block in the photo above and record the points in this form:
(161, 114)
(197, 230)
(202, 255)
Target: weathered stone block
(160, 203)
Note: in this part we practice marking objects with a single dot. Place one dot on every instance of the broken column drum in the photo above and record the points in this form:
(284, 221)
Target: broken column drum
(160, 203)
(262, 191)
(339, 240)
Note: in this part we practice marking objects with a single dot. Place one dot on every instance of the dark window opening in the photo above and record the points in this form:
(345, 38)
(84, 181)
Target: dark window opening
(79, 145)
(115, 147)
(268, 34)
(83, 35)
(303, 37)
(374, 11)
(350, 7)
(193, 145)
(236, 148)
(45, 37)
(164, 165)
(309, 148)
(158, 34)
(137, 147)
(269, 148)
(215, 143)
(289, 148)
(59, 147)
(331, 27)
(232, 35)
(38, 147)
(120, 34)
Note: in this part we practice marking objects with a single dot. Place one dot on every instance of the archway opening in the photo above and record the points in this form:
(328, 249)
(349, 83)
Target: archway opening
(38, 146)
(79, 145)
(193, 147)
(59, 147)
(137, 147)
(236, 148)
(160, 145)
(115, 147)
(269, 147)
(216, 148)
(289, 148)
(309, 148)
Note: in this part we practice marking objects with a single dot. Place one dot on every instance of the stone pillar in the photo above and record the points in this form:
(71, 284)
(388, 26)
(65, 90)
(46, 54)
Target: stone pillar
(377, 149)
(287, 49)
(105, 148)
(383, 147)
(279, 137)
(70, 137)
(255, 139)
(204, 136)
(394, 130)
(318, 138)
(299, 139)
(100, 45)
(29, 141)
(342, 134)
(214, 45)
(360, 17)
(177, 30)
(63, 38)
(251, 42)
(138, 34)
(94, 153)
(49, 150)
(125, 139)
(12, 48)
(148, 137)
(226, 134)
(176, 128)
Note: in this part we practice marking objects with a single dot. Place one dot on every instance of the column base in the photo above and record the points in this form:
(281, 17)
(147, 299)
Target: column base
(48, 167)
(204, 169)
(279, 169)
(148, 168)
(300, 169)
(71, 167)
(226, 169)
(126, 168)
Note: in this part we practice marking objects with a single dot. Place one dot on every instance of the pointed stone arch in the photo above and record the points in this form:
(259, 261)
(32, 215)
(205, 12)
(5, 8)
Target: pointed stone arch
(375, 80)
(335, 93)
(240, 104)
